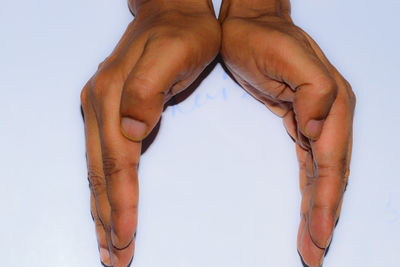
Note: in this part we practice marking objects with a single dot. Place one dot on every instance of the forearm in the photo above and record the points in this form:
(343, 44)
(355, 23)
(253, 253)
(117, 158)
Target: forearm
(254, 8)
(137, 6)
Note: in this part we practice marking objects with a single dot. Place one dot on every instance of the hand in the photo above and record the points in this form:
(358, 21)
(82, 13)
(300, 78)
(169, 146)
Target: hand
(161, 53)
(281, 66)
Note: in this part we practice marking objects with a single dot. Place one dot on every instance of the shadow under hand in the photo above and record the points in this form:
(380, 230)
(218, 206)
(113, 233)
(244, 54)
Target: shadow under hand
(178, 98)
(174, 101)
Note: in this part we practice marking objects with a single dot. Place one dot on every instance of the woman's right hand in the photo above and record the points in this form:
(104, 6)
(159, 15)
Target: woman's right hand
(162, 52)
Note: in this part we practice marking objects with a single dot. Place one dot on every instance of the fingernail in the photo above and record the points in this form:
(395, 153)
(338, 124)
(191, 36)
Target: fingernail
(114, 239)
(117, 243)
(105, 256)
(133, 129)
(321, 228)
(314, 128)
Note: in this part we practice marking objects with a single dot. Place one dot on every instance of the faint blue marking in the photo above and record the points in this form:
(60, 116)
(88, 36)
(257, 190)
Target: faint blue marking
(197, 103)
(245, 94)
(200, 100)
(393, 212)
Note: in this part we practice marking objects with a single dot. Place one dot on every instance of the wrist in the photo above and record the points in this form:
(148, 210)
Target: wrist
(155, 6)
(254, 8)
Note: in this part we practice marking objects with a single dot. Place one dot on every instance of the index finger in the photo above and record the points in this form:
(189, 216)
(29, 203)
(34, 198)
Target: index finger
(139, 100)
(331, 157)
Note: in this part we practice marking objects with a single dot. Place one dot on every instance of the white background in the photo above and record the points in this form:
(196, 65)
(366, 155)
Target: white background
(219, 185)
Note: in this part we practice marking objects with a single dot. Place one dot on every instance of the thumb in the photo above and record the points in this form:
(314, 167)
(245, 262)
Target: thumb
(144, 91)
(305, 69)
(141, 106)
(312, 103)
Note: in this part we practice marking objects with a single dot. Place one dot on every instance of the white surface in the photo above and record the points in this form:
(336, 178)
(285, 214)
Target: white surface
(219, 186)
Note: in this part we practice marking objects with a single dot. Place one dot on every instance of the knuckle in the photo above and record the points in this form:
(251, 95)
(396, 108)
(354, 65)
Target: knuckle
(353, 99)
(351, 96)
(120, 210)
(111, 166)
(327, 86)
(103, 82)
(327, 171)
(104, 63)
(140, 87)
(114, 165)
(101, 64)
(107, 62)
(96, 181)
(83, 97)
(328, 207)
(331, 164)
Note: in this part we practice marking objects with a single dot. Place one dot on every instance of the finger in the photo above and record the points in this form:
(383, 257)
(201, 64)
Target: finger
(308, 251)
(98, 182)
(348, 104)
(121, 257)
(311, 255)
(100, 207)
(346, 177)
(100, 233)
(315, 89)
(292, 66)
(141, 101)
(296, 64)
(160, 67)
(330, 152)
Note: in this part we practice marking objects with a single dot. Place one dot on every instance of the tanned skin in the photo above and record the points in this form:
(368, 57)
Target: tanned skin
(163, 50)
